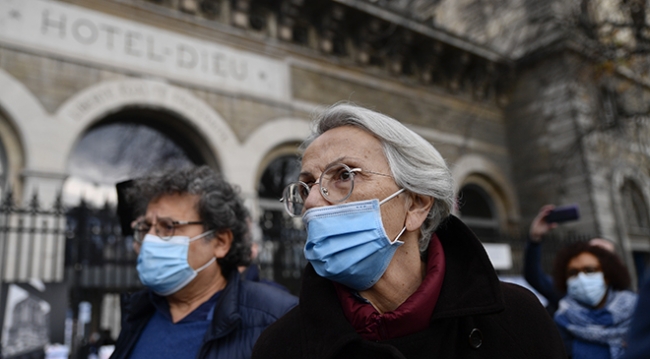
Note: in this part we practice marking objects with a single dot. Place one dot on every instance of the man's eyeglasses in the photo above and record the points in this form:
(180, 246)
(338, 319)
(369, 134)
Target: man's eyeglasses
(163, 227)
(335, 185)
(572, 272)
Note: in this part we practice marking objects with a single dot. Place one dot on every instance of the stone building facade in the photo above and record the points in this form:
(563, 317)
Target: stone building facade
(523, 116)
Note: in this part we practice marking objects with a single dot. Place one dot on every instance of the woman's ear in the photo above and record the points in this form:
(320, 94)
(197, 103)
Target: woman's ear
(418, 210)
(221, 243)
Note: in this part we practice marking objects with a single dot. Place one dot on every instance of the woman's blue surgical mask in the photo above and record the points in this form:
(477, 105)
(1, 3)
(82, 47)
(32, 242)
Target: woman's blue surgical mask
(162, 263)
(347, 243)
(587, 288)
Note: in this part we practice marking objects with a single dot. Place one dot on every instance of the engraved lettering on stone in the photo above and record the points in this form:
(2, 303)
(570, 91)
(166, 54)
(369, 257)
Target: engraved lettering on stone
(14, 14)
(131, 40)
(61, 28)
(131, 90)
(239, 70)
(159, 92)
(151, 51)
(111, 31)
(204, 61)
(49, 22)
(85, 31)
(190, 105)
(218, 64)
(90, 102)
(187, 56)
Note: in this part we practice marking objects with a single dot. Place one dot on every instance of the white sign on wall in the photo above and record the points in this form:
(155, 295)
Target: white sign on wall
(82, 34)
(500, 255)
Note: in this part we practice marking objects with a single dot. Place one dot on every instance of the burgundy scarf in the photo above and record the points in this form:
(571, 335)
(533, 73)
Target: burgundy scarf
(410, 317)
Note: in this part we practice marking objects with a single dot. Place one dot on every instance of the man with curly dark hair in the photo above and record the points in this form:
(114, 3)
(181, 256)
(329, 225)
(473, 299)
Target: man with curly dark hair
(192, 236)
(596, 312)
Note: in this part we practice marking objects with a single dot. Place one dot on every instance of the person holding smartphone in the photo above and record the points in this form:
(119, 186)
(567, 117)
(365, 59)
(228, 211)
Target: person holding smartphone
(595, 313)
(546, 220)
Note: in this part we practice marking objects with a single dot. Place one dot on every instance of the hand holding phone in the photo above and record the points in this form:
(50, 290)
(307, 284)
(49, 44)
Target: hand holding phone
(563, 214)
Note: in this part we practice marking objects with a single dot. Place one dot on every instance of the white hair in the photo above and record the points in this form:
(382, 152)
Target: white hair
(415, 164)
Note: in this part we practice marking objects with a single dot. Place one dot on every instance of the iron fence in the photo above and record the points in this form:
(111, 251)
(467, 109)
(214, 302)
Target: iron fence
(31, 250)
(31, 240)
(83, 247)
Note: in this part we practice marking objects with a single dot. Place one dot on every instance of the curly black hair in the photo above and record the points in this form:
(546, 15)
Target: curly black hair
(219, 206)
(614, 271)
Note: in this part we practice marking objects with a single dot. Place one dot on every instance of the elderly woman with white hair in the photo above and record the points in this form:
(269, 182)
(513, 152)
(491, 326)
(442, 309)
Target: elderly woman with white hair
(391, 273)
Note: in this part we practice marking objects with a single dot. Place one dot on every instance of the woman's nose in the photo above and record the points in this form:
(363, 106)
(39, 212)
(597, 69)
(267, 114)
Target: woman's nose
(315, 199)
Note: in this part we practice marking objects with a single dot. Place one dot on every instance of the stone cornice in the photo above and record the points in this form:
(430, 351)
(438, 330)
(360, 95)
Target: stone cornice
(391, 45)
(427, 30)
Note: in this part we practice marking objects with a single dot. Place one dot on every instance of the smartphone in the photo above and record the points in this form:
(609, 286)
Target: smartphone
(563, 214)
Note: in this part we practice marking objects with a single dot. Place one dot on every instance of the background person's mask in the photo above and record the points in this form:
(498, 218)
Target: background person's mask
(162, 264)
(587, 288)
(347, 243)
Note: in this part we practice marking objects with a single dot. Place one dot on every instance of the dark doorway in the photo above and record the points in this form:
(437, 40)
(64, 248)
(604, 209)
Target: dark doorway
(283, 238)
(478, 212)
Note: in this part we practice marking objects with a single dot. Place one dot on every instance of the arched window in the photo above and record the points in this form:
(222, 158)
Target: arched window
(126, 145)
(477, 210)
(277, 175)
(283, 237)
(635, 209)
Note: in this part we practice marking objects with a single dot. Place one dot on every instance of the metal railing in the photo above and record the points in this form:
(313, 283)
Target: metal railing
(84, 247)
(31, 240)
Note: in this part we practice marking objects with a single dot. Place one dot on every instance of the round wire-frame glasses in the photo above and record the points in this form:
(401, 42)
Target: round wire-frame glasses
(335, 184)
(163, 227)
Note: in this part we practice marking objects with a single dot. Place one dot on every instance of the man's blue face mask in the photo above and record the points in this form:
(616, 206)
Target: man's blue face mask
(347, 243)
(162, 263)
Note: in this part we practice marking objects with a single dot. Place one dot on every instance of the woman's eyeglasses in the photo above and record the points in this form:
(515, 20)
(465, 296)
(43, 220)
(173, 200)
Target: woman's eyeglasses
(163, 227)
(335, 185)
(572, 272)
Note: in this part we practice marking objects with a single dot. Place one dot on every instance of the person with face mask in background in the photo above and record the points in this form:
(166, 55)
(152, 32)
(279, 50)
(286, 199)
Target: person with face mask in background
(533, 273)
(595, 315)
(192, 237)
(391, 273)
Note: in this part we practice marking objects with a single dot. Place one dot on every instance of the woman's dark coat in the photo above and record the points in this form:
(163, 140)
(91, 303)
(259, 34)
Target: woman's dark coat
(476, 316)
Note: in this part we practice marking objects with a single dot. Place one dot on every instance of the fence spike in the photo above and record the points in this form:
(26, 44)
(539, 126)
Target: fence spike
(58, 203)
(33, 203)
(107, 204)
(82, 199)
(8, 200)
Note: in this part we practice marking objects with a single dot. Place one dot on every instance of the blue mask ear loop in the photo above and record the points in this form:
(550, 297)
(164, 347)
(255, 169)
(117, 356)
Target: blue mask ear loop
(399, 235)
(388, 199)
(213, 258)
(391, 196)
(204, 234)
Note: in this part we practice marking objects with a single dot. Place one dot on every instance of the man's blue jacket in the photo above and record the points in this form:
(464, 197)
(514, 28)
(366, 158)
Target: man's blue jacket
(244, 309)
